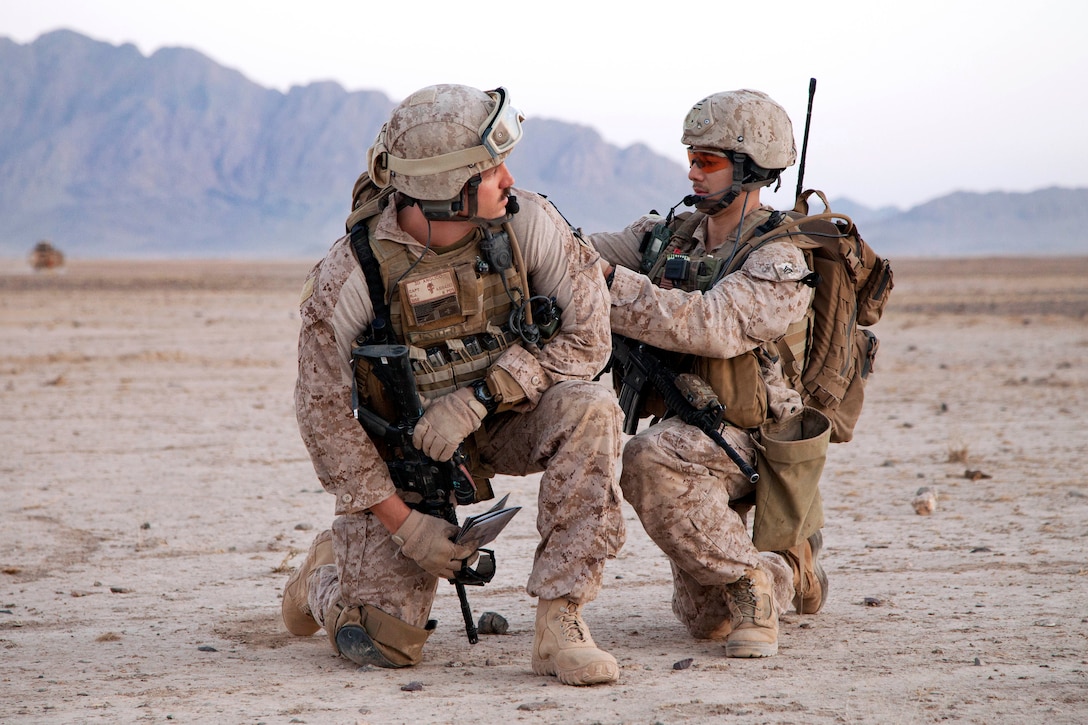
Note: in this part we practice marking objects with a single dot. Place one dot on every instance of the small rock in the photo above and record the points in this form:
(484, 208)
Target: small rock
(683, 664)
(539, 705)
(413, 686)
(492, 623)
(207, 648)
(925, 501)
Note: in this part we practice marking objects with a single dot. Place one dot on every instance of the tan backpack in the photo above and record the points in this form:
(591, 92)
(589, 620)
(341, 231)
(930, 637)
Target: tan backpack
(828, 357)
(367, 199)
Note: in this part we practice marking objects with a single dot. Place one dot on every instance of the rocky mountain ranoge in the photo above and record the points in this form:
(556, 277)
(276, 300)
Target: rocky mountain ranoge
(108, 153)
(111, 153)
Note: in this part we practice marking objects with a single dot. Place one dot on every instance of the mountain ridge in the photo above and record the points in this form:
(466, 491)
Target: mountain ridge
(173, 154)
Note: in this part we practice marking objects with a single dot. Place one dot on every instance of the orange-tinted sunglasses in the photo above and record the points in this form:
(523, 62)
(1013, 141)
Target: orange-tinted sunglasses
(708, 161)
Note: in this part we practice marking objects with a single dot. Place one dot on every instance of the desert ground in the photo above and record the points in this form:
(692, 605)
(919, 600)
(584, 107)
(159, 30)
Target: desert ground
(156, 494)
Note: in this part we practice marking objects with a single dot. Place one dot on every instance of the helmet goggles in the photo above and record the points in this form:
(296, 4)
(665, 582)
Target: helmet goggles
(479, 128)
(502, 130)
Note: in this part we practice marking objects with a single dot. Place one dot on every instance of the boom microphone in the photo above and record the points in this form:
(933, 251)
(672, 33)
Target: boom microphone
(693, 199)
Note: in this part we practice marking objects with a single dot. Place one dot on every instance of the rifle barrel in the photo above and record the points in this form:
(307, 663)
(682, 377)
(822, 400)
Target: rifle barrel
(466, 612)
(735, 457)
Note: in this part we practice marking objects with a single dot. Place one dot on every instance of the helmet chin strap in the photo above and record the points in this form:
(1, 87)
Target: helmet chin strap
(450, 211)
(707, 203)
(471, 187)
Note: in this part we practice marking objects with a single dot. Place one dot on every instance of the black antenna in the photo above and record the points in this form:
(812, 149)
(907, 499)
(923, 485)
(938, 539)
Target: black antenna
(804, 143)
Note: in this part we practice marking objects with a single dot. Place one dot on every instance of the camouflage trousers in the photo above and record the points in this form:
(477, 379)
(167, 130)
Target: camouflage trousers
(680, 484)
(573, 437)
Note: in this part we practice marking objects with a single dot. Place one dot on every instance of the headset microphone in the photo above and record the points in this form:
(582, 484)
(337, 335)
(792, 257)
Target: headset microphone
(693, 199)
(512, 205)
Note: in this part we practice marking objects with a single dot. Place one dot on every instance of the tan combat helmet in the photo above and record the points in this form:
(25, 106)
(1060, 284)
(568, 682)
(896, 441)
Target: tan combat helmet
(442, 136)
(744, 122)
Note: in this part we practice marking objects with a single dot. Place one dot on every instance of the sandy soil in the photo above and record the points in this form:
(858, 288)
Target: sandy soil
(155, 494)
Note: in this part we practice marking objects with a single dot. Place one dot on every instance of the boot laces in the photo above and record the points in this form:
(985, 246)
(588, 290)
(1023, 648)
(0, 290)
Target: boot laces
(572, 625)
(744, 597)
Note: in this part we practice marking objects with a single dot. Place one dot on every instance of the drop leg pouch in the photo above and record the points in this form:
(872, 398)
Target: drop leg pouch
(790, 459)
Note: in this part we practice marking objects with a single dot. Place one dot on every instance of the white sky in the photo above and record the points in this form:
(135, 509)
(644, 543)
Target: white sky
(915, 99)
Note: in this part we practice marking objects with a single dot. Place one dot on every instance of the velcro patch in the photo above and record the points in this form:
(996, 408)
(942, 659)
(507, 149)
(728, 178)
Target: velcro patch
(432, 298)
(307, 290)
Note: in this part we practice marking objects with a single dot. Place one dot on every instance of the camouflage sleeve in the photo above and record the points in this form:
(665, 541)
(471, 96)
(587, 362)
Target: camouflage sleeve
(621, 249)
(335, 306)
(751, 306)
(782, 400)
(560, 265)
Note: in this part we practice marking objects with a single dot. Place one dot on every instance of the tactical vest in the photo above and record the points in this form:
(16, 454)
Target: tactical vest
(736, 381)
(453, 317)
(452, 312)
(826, 356)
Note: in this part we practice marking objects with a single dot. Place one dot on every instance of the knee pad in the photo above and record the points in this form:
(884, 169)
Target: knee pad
(368, 636)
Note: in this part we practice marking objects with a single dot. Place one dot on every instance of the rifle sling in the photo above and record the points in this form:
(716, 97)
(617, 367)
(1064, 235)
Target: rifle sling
(360, 243)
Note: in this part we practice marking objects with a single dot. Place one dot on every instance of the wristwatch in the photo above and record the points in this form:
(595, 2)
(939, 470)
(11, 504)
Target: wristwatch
(481, 392)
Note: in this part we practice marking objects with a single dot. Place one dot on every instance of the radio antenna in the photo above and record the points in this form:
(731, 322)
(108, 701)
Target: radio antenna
(804, 143)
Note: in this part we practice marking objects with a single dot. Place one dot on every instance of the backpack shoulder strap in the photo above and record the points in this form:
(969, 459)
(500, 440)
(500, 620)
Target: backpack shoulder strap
(752, 236)
(684, 225)
(360, 244)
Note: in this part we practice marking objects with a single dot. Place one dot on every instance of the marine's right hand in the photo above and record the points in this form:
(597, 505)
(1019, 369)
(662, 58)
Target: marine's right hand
(447, 421)
(426, 541)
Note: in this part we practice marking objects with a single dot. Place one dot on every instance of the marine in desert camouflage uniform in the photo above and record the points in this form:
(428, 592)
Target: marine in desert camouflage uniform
(371, 580)
(682, 485)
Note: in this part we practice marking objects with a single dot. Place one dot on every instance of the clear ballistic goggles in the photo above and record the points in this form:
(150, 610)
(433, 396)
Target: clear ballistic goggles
(708, 161)
(502, 130)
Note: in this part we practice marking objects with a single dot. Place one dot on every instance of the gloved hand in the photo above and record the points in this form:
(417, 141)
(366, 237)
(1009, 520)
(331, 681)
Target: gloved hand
(446, 423)
(426, 541)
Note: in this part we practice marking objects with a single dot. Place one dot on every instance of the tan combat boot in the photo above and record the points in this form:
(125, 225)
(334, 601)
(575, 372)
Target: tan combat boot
(755, 616)
(809, 578)
(563, 646)
(295, 608)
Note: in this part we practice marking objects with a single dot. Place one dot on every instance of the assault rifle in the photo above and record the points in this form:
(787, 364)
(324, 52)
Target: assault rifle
(687, 396)
(412, 471)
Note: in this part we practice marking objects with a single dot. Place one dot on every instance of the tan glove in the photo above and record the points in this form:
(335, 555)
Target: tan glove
(447, 422)
(426, 541)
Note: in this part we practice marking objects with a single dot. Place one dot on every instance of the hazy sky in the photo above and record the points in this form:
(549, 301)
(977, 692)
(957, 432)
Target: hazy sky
(914, 99)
